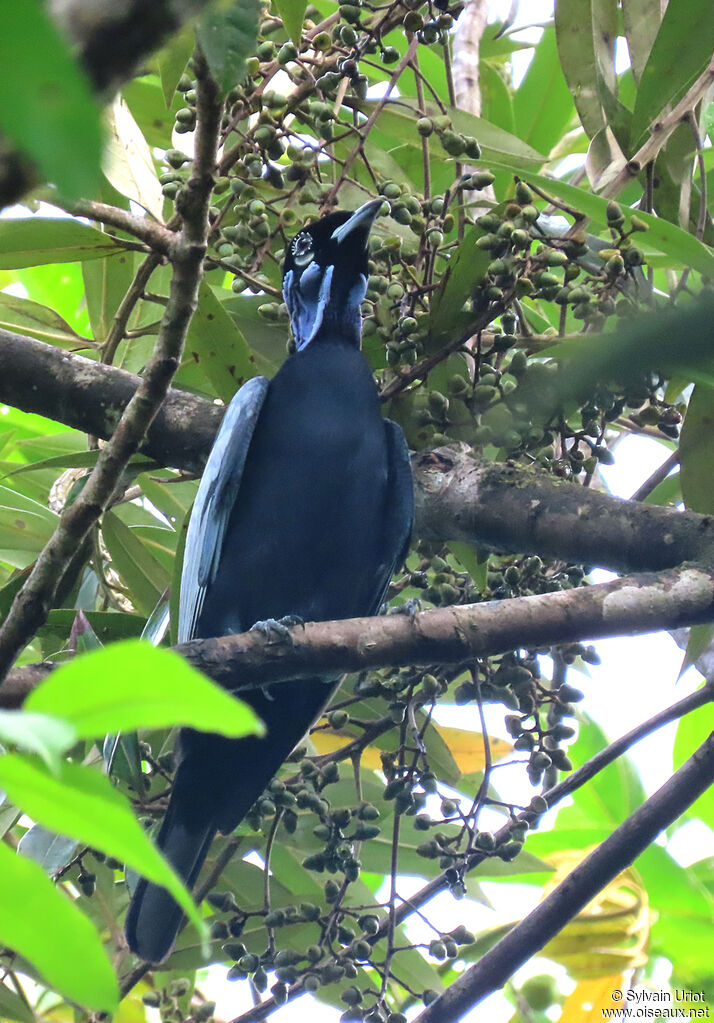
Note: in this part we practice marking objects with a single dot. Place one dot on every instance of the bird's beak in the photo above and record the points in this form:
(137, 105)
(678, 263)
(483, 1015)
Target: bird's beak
(360, 222)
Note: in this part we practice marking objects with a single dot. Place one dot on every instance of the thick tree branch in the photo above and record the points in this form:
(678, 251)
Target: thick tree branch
(507, 507)
(32, 603)
(636, 604)
(571, 896)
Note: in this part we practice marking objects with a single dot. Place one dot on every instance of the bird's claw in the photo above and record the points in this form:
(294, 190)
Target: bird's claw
(409, 607)
(277, 630)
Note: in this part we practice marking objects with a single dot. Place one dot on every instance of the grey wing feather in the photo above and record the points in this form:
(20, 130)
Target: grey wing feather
(214, 502)
(400, 513)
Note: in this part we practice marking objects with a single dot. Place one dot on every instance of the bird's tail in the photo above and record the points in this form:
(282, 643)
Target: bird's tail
(217, 782)
(154, 917)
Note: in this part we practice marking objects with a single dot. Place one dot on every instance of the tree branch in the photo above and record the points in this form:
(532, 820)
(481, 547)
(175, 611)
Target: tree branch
(632, 605)
(32, 603)
(458, 497)
(571, 896)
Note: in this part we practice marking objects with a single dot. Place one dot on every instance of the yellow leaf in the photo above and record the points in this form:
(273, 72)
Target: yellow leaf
(590, 997)
(611, 934)
(329, 741)
(465, 747)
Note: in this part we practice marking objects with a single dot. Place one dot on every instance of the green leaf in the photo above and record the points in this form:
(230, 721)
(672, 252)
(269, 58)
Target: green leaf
(696, 451)
(679, 55)
(47, 107)
(292, 13)
(37, 732)
(496, 104)
(76, 965)
(128, 163)
(172, 61)
(466, 266)
(106, 282)
(49, 850)
(83, 804)
(577, 49)
(475, 563)
(217, 345)
(145, 99)
(227, 37)
(142, 687)
(80, 460)
(21, 314)
(495, 143)
(543, 104)
(25, 527)
(692, 731)
(641, 20)
(143, 574)
(609, 797)
(35, 241)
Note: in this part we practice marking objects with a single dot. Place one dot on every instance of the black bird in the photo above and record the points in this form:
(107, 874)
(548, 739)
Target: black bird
(305, 510)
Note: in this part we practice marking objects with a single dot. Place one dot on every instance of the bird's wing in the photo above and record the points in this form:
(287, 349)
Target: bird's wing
(214, 502)
(400, 511)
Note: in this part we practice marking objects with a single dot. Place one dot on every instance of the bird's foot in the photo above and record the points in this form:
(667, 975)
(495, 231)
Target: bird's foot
(409, 607)
(277, 630)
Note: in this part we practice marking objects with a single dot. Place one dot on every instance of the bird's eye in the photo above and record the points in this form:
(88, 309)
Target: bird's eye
(302, 249)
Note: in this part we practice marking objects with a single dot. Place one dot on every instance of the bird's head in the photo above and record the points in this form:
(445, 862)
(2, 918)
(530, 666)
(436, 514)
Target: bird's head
(325, 275)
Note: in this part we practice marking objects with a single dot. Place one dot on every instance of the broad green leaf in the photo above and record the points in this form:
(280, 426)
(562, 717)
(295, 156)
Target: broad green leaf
(641, 19)
(142, 687)
(475, 563)
(143, 574)
(49, 850)
(145, 99)
(108, 626)
(611, 795)
(48, 109)
(466, 266)
(496, 144)
(227, 37)
(80, 460)
(106, 282)
(679, 55)
(543, 104)
(59, 287)
(696, 451)
(122, 758)
(292, 13)
(171, 498)
(496, 104)
(172, 59)
(128, 163)
(34, 241)
(37, 732)
(217, 345)
(575, 36)
(77, 966)
(35, 320)
(83, 804)
(25, 527)
(692, 730)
